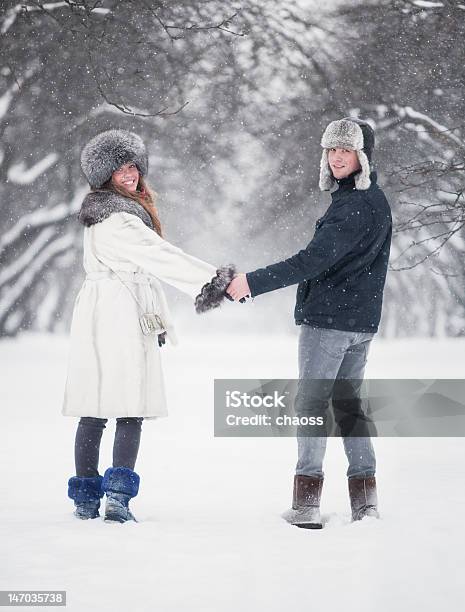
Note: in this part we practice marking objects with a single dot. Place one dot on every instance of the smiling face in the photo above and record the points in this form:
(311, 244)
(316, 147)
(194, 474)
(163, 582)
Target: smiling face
(126, 176)
(343, 162)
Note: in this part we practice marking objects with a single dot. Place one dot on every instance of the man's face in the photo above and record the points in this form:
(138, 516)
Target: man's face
(343, 162)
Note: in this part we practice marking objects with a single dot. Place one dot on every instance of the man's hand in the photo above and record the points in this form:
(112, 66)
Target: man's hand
(238, 288)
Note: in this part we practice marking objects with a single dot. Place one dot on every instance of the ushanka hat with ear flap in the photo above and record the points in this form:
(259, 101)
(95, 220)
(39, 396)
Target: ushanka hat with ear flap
(347, 133)
(110, 150)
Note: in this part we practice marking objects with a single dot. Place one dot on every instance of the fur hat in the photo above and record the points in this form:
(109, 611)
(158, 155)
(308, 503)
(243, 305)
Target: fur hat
(347, 133)
(110, 150)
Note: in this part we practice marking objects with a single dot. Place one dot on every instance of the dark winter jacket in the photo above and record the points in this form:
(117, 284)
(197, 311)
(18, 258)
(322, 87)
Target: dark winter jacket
(342, 271)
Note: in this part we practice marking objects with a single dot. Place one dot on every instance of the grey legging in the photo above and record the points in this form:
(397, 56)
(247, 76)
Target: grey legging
(87, 445)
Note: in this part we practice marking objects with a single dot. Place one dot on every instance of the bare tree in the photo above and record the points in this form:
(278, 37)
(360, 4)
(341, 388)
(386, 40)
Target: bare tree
(189, 76)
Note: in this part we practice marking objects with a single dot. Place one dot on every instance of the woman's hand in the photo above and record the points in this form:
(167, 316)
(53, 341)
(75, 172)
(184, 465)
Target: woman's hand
(238, 288)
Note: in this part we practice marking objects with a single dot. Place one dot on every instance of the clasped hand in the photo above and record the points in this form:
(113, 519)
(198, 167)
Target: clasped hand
(238, 288)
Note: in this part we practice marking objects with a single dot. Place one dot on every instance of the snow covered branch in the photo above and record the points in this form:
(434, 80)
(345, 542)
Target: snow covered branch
(432, 127)
(31, 274)
(40, 219)
(46, 7)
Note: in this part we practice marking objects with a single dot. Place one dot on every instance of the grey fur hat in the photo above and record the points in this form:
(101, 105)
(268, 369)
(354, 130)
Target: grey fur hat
(347, 133)
(108, 151)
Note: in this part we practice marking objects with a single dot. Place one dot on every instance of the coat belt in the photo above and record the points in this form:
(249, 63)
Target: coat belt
(131, 277)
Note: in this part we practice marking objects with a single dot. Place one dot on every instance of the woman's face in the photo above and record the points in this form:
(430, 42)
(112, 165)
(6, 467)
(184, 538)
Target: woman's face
(126, 176)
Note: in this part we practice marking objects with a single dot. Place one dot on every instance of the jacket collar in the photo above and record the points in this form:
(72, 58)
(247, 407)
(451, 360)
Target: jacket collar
(347, 184)
(99, 205)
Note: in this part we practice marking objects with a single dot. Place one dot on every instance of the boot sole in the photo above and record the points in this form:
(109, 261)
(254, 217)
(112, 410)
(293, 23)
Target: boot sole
(115, 518)
(87, 518)
(304, 521)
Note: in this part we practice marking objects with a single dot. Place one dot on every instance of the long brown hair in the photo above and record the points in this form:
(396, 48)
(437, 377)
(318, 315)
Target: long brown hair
(146, 197)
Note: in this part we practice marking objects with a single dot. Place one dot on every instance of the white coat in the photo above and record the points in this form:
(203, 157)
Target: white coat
(114, 370)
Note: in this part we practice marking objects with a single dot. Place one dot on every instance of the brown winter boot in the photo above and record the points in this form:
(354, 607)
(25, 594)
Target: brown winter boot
(305, 510)
(363, 498)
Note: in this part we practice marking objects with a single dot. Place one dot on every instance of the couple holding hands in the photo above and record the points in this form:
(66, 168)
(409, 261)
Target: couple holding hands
(114, 368)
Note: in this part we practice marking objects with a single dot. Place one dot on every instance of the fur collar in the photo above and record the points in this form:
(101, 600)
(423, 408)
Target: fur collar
(99, 205)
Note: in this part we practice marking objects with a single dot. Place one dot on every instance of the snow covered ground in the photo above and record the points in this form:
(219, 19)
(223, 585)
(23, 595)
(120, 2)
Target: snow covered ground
(210, 536)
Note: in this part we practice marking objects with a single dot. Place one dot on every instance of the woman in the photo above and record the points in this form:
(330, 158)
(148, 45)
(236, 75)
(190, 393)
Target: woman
(121, 318)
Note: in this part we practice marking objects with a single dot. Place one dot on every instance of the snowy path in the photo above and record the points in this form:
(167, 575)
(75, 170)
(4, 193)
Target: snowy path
(210, 535)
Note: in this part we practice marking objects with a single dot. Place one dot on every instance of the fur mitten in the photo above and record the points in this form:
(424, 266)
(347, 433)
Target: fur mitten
(214, 292)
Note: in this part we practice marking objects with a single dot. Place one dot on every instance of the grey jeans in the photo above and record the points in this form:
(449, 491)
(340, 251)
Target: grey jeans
(331, 360)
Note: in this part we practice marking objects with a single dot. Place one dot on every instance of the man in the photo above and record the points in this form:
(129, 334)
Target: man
(341, 276)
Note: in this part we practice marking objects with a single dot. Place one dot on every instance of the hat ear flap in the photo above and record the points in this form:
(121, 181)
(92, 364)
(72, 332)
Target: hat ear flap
(362, 179)
(326, 177)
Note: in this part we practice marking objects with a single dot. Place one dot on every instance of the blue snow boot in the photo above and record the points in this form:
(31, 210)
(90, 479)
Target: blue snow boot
(86, 493)
(119, 484)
